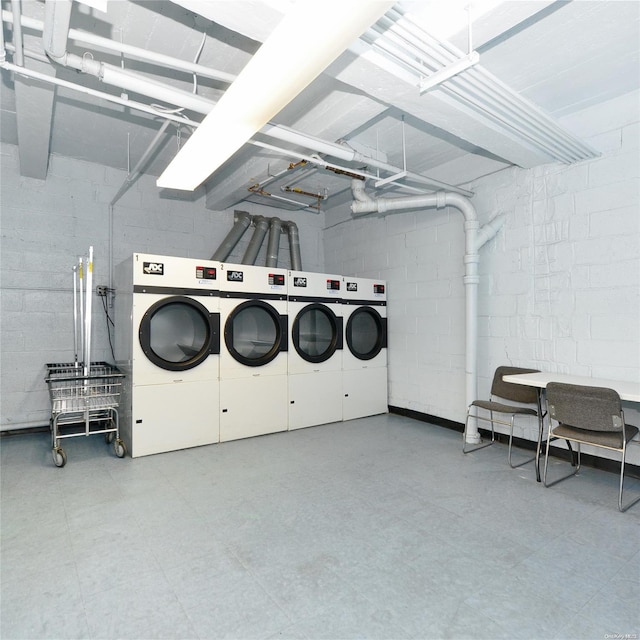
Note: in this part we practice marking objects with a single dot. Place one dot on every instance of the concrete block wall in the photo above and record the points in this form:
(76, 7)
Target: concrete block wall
(46, 225)
(560, 283)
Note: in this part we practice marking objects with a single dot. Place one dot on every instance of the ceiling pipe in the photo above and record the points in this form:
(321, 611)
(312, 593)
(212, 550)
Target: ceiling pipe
(261, 227)
(55, 34)
(17, 33)
(134, 52)
(242, 220)
(294, 245)
(273, 246)
(475, 238)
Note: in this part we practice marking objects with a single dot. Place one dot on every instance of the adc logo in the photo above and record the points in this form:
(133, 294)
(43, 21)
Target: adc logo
(235, 276)
(153, 268)
(352, 286)
(299, 282)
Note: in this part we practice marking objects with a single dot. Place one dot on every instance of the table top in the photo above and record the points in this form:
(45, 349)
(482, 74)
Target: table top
(627, 390)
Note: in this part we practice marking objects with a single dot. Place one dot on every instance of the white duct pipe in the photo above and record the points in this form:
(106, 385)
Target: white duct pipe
(130, 50)
(474, 239)
(17, 33)
(273, 247)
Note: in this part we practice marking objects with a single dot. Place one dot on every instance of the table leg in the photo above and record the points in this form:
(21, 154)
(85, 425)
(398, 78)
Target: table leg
(541, 415)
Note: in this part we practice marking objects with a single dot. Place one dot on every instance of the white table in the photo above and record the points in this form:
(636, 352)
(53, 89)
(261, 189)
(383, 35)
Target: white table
(629, 391)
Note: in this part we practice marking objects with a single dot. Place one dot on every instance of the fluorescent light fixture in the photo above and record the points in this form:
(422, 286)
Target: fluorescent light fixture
(307, 40)
(449, 71)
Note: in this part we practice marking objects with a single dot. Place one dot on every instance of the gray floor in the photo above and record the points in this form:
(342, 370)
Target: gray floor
(375, 528)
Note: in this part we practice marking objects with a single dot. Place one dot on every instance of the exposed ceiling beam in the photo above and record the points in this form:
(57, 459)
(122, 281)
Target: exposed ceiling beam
(34, 110)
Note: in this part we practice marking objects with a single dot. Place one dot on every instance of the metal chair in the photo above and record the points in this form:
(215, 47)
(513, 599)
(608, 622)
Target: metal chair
(588, 415)
(506, 391)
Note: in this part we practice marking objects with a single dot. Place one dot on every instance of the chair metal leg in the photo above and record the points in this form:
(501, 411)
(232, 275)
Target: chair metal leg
(622, 465)
(520, 464)
(464, 435)
(546, 463)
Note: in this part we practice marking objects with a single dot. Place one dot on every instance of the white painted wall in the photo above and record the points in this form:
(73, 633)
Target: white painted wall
(47, 224)
(560, 284)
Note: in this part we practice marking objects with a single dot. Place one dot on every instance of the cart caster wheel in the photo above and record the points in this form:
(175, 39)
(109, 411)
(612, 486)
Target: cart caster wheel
(119, 448)
(59, 457)
(109, 437)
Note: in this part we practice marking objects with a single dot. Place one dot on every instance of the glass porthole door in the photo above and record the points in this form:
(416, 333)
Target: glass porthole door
(317, 333)
(366, 333)
(255, 333)
(179, 333)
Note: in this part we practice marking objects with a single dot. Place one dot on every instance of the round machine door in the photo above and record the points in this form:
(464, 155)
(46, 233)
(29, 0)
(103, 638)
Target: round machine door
(366, 333)
(255, 333)
(178, 333)
(316, 333)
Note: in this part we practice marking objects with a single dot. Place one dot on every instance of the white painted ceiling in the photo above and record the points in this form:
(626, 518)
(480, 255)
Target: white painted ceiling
(560, 57)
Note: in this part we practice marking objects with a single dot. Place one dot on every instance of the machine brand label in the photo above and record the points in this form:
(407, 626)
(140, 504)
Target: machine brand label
(299, 282)
(352, 286)
(206, 273)
(153, 268)
(235, 276)
(333, 285)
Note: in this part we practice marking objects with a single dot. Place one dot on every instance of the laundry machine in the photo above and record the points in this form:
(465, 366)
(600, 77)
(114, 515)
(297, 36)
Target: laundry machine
(167, 341)
(315, 350)
(364, 357)
(253, 352)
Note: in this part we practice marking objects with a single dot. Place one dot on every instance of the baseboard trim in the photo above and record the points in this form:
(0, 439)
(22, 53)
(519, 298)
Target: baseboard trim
(588, 460)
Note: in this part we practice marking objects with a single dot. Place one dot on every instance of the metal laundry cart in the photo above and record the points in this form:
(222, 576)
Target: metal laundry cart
(84, 403)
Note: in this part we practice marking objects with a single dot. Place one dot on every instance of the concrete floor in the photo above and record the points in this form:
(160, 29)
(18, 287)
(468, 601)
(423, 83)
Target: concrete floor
(373, 528)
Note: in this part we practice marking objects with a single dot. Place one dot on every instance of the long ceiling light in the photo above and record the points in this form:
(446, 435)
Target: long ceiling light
(289, 60)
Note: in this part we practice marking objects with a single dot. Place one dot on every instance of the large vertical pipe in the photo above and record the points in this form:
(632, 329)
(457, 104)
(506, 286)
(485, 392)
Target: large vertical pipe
(261, 227)
(273, 248)
(242, 222)
(294, 246)
(474, 239)
(17, 33)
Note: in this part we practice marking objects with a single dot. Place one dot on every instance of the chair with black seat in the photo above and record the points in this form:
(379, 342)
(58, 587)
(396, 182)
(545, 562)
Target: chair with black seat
(522, 394)
(588, 415)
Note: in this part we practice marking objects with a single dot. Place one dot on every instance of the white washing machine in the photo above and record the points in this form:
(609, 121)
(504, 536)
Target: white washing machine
(315, 349)
(364, 357)
(167, 341)
(253, 353)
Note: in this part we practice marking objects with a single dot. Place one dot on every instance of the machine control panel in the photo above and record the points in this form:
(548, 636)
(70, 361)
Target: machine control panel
(333, 285)
(276, 279)
(206, 273)
(378, 289)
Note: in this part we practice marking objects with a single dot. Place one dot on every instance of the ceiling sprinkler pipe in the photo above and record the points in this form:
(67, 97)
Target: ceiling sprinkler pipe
(253, 248)
(241, 224)
(273, 247)
(294, 245)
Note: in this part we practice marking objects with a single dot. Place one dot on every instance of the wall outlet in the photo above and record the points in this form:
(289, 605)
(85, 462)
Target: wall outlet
(102, 290)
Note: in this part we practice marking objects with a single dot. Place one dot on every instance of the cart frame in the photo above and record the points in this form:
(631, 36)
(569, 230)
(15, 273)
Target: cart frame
(84, 402)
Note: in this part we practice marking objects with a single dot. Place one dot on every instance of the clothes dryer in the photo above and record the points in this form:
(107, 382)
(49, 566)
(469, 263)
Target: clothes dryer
(167, 341)
(364, 358)
(253, 354)
(315, 352)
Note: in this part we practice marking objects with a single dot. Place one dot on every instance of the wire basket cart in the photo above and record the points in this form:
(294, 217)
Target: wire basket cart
(84, 402)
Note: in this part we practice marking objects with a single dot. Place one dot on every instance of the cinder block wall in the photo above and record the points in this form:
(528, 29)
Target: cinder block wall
(560, 283)
(47, 224)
